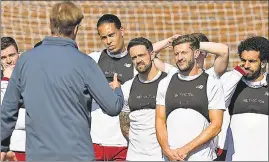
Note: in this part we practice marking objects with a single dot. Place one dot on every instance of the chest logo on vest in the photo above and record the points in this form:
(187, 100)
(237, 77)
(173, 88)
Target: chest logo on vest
(184, 95)
(254, 100)
(266, 93)
(200, 87)
(145, 97)
(127, 65)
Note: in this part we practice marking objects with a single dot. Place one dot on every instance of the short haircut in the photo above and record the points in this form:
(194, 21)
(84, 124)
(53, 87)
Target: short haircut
(194, 43)
(109, 18)
(140, 41)
(256, 43)
(64, 17)
(201, 37)
(8, 41)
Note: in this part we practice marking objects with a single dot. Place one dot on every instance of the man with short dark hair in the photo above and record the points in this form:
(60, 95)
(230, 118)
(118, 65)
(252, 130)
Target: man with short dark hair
(58, 83)
(9, 57)
(138, 114)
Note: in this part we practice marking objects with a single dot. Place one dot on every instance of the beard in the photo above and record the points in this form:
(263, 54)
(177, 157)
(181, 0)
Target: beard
(189, 66)
(254, 75)
(145, 69)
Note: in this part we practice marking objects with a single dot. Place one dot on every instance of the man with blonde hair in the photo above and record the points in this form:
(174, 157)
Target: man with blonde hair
(55, 81)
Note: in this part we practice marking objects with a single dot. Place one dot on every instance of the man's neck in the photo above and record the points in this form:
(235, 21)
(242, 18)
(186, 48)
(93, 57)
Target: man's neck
(259, 78)
(195, 70)
(123, 49)
(148, 76)
(70, 37)
(200, 63)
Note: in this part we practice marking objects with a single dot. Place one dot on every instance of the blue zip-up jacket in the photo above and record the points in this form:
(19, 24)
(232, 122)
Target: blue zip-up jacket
(57, 83)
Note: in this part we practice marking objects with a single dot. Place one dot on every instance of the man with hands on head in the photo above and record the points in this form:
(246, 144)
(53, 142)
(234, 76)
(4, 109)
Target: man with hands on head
(190, 105)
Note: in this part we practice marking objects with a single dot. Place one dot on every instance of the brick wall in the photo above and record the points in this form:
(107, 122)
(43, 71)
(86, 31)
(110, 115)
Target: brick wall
(228, 22)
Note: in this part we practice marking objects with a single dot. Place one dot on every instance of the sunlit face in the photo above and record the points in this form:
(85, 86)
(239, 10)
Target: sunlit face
(111, 37)
(251, 62)
(141, 58)
(9, 56)
(184, 56)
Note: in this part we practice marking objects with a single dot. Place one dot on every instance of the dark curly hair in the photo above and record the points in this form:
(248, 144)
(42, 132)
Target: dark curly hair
(256, 43)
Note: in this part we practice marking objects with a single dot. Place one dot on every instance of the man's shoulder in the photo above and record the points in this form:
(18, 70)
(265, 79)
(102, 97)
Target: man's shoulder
(128, 84)
(213, 82)
(211, 71)
(95, 55)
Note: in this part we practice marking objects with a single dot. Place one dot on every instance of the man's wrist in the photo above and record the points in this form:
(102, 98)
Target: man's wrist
(219, 151)
(5, 78)
(240, 70)
(166, 150)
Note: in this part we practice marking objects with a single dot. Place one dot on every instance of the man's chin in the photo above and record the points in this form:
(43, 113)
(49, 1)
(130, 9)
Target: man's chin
(113, 51)
(184, 69)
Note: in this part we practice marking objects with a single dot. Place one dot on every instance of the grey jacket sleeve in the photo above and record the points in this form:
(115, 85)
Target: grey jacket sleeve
(110, 102)
(10, 109)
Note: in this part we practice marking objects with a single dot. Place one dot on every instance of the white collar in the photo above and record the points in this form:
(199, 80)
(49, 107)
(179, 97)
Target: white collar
(152, 80)
(120, 55)
(188, 78)
(257, 84)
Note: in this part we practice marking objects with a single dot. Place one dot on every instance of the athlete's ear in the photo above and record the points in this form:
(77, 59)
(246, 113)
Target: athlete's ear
(263, 64)
(122, 31)
(196, 53)
(152, 55)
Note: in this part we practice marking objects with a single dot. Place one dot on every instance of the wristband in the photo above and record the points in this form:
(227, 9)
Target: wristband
(5, 79)
(219, 151)
(240, 70)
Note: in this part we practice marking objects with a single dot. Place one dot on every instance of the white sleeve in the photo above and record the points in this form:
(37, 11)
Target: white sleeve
(229, 80)
(4, 85)
(170, 69)
(211, 71)
(222, 136)
(126, 87)
(95, 56)
(161, 91)
(215, 94)
(20, 124)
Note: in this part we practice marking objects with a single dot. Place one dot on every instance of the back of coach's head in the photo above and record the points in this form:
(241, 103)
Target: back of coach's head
(65, 18)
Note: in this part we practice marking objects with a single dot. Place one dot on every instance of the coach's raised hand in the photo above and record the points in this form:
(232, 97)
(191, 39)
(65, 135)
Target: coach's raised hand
(115, 82)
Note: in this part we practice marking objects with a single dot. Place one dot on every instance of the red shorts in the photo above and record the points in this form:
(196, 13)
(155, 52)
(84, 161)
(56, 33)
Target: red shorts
(20, 156)
(109, 153)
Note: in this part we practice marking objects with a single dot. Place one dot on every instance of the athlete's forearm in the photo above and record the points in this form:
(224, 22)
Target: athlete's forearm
(222, 55)
(216, 118)
(160, 45)
(210, 132)
(125, 124)
(161, 133)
